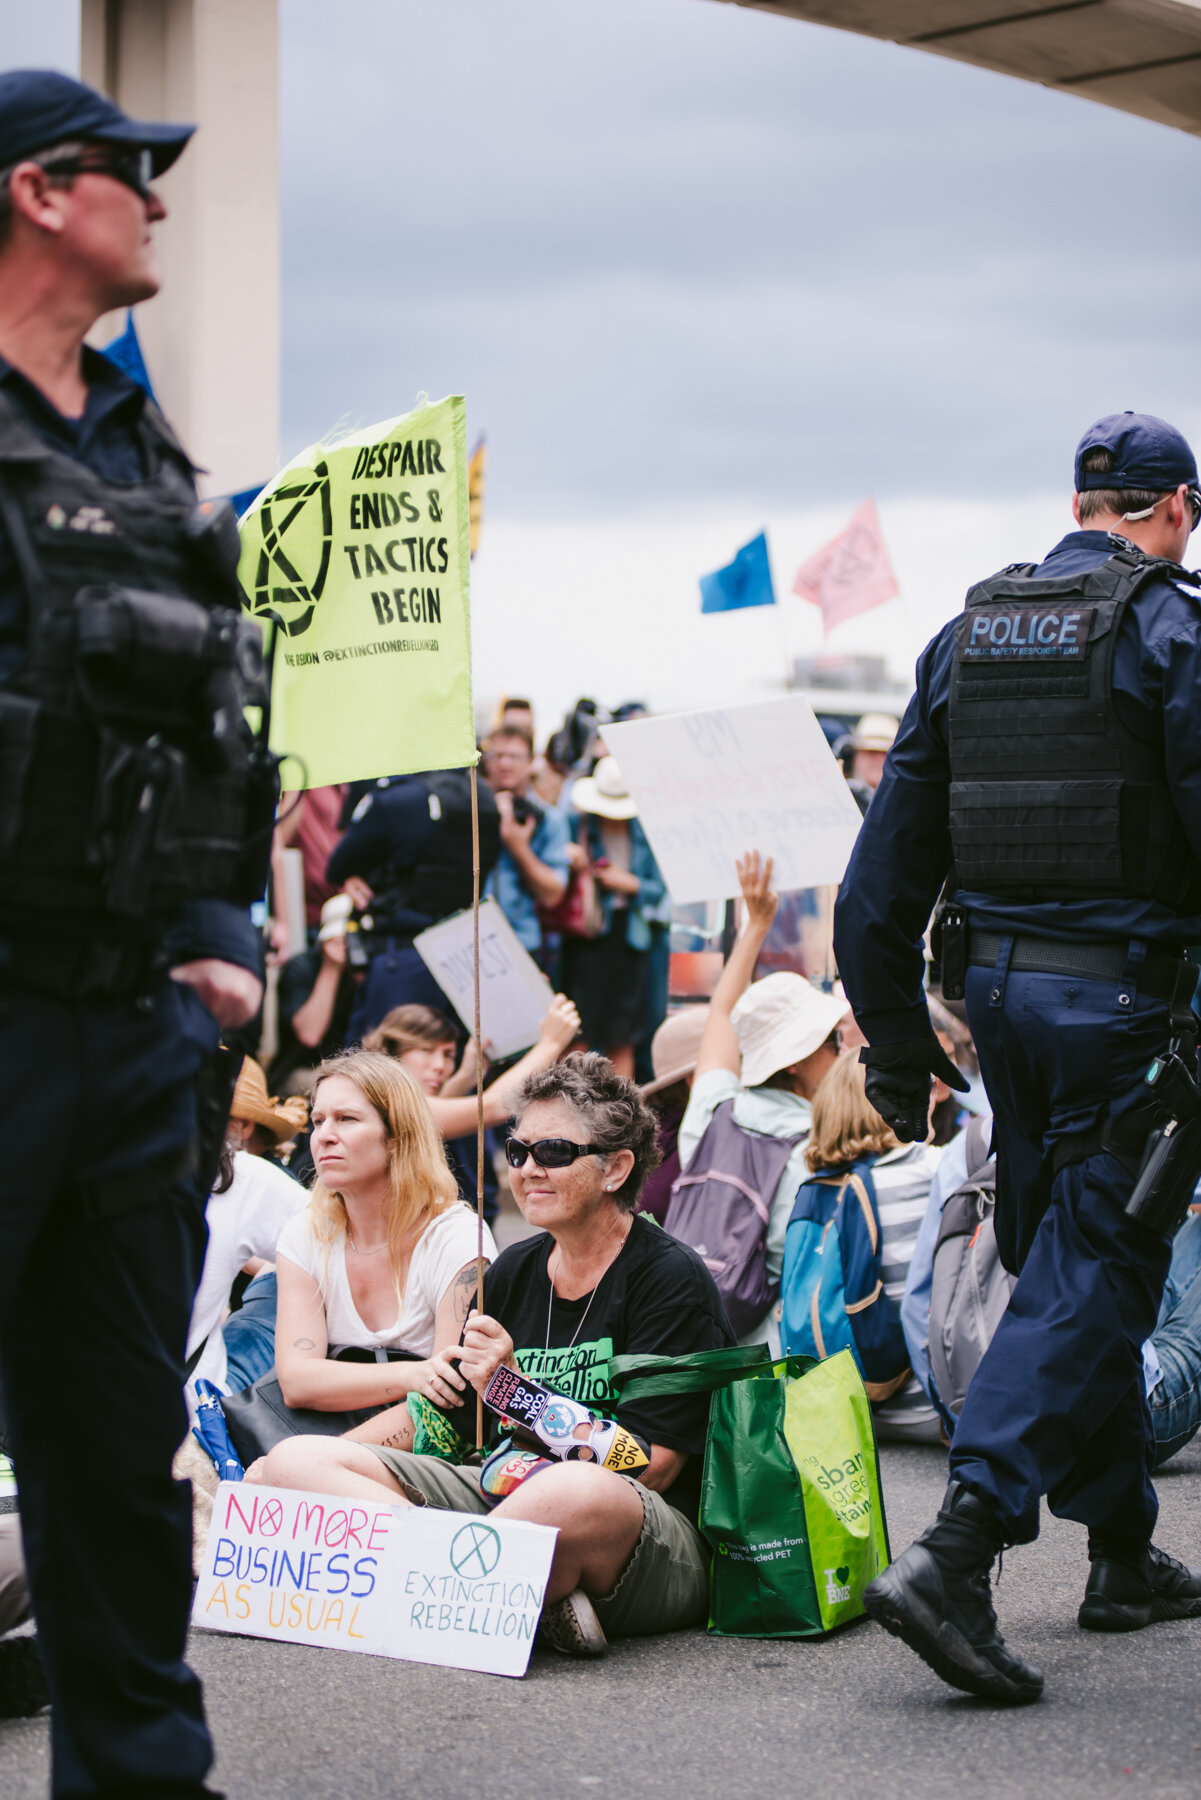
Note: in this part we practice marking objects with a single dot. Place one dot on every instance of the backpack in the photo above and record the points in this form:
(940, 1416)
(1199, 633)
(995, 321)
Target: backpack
(832, 1288)
(969, 1287)
(720, 1207)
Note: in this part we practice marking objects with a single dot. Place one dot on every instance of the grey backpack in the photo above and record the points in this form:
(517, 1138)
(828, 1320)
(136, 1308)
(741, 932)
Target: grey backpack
(969, 1288)
(720, 1207)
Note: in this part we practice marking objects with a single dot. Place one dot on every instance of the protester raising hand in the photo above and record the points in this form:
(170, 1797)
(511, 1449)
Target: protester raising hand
(719, 1045)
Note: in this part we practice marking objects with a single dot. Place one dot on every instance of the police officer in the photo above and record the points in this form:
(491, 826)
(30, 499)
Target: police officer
(408, 841)
(1048, 769)
(135, 819)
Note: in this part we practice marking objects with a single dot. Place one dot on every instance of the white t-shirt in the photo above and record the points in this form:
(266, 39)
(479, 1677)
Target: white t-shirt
(446, 1245)
(244, 1221)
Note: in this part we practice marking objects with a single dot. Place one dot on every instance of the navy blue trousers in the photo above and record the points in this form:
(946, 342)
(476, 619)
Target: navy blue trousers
(94, 1309)
(1057, 1406)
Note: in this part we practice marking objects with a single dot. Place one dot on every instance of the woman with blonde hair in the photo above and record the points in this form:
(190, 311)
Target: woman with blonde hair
(383, 1256)
(849, 1136)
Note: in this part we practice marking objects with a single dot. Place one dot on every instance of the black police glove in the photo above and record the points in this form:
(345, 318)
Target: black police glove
(897, 1080)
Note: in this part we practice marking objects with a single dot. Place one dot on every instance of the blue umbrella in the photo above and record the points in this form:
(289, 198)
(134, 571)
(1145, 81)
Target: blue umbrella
(212, 1433)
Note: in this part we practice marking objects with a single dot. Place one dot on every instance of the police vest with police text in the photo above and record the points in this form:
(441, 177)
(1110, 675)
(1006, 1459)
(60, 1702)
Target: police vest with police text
(129, 779)
(1052, 796)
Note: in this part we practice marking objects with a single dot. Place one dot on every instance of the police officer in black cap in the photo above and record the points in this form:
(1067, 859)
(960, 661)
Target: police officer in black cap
(135, 820)
(1048, 770)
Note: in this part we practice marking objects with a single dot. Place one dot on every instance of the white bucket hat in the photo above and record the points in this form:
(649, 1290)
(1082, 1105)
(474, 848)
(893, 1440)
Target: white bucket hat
(604, 792)
(781, 1020)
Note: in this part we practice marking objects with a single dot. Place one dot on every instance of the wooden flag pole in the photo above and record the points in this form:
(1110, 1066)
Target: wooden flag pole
(479, 1078)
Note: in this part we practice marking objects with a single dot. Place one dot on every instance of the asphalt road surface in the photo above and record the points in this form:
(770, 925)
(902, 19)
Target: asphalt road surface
(688, 1716)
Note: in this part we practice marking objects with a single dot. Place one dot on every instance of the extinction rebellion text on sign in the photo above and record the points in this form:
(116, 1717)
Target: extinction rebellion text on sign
(359, 551)
(410, 1582)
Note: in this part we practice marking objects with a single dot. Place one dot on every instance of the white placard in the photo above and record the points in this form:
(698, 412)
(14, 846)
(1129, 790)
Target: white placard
(712, 785)
(514, 993)
(458, 1589)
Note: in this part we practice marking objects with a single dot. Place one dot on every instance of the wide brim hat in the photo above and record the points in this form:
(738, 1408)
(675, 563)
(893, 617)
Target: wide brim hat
(676, 1046)
(253, 1104)
(780, 1021)
(875, 731)
(604, 792)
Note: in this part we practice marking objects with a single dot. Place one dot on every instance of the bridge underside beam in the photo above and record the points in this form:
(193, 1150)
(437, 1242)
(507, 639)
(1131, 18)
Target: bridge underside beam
(1141, 56)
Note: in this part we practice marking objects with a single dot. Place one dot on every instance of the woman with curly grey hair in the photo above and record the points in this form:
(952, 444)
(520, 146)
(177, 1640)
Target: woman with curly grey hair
(597, 1279)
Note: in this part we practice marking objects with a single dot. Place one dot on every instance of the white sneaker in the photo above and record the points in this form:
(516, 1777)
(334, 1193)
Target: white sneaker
(571, 1626)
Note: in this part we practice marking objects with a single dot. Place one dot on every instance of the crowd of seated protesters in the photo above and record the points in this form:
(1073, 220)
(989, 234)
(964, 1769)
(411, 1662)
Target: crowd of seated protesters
(595, 1279)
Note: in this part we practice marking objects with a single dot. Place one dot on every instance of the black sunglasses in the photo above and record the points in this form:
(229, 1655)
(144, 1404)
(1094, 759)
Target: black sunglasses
(132, 168)
(1194, 495)
(548, 1153)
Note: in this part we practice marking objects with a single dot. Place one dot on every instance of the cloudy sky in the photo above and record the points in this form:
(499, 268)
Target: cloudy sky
(700, 270)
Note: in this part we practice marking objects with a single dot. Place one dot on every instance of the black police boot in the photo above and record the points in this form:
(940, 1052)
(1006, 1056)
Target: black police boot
(1132, 1584)
(936, 1598)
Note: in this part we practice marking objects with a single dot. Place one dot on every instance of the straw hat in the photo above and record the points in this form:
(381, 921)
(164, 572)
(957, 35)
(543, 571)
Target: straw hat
(251, 1102)
(604, 792)
(875, 731)
(781, 1020)
(676, 1046)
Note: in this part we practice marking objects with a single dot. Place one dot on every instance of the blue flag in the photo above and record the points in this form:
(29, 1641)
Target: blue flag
(744, 582)
(126, 352)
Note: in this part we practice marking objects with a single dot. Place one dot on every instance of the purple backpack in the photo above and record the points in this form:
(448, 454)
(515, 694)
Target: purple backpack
(720, 1207)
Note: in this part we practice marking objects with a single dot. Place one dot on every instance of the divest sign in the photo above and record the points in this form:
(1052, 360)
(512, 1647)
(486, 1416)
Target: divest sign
(361, 550)
(712, 785)
(514, 993)
(458, 1589)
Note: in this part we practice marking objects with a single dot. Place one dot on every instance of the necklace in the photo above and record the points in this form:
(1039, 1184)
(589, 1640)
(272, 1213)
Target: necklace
(550, 1308)
(374, 1251)
(551, 1302)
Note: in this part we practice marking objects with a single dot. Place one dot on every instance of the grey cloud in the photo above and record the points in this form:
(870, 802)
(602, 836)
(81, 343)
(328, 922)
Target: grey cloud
(674, 250)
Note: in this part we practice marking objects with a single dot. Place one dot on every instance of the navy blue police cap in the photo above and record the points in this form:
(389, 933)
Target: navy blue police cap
(40, 108)
(1148, 454)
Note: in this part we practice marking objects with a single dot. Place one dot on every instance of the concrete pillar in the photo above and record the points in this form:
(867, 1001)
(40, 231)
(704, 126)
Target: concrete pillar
(211, 337)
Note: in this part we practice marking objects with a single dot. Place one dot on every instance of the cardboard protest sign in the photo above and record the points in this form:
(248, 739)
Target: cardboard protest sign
(361, 549)
(514, 993)
(712, 785)
(452, 1588)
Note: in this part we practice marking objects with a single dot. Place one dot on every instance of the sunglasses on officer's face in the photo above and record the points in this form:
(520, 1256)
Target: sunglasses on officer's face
(1194, 495)
(548, 1153)
(134, 169)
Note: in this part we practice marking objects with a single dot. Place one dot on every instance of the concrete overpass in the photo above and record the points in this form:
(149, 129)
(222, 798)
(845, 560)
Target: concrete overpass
(212, 340)
(1142, 56)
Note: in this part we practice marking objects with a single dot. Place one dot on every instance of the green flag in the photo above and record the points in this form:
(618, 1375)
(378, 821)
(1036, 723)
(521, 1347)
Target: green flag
(361, 549)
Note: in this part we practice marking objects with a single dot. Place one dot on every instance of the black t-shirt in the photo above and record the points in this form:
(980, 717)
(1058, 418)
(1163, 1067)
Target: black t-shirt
(656, 1298)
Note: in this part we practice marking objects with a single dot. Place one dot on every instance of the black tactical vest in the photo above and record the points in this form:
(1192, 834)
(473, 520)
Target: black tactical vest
(440, 881)
(129, 778)
(1052, 797)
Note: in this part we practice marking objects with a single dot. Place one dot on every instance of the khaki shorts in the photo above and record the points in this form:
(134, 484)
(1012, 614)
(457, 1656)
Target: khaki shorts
(663, 1587)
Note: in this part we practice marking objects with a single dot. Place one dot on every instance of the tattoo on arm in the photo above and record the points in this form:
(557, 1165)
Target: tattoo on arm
(303, 1344)
(464, 1294)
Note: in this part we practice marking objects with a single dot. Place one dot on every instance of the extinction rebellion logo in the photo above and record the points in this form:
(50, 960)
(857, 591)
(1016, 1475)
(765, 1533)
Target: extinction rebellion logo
(291, 575)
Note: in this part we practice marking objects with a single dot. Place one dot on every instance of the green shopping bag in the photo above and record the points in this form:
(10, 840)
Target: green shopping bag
(790, 1495)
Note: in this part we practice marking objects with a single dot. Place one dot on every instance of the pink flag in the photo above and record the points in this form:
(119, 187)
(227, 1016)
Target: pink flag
(852, 573)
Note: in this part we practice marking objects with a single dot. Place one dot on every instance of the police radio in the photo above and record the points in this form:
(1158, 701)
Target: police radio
(1172, 1160)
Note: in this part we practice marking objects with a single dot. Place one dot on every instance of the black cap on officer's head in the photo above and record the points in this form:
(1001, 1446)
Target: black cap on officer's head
(40, 108)
(1149, 455)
